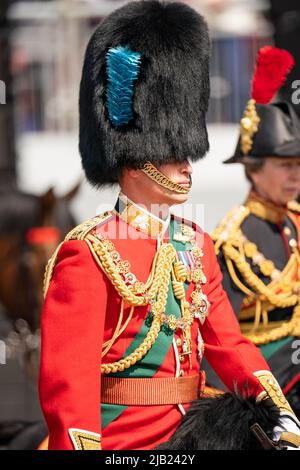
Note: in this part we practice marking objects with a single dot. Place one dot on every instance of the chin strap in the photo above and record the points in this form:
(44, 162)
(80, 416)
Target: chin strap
(152, 172)
(265, 441)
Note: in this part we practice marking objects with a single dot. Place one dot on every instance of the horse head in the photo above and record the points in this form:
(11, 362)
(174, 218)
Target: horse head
(30, 229)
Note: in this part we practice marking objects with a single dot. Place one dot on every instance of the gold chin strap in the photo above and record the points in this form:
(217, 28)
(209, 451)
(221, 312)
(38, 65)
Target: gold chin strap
(163, 180)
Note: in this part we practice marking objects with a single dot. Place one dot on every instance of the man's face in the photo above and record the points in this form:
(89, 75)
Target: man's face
(278, 180)
(148, 189)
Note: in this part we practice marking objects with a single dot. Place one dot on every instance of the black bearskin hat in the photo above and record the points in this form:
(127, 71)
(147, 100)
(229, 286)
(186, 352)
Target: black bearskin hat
(224, 422)
(268, 130)
(144, 89)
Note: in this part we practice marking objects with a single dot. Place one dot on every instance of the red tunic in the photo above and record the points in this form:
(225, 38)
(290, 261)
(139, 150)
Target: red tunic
(80, 313)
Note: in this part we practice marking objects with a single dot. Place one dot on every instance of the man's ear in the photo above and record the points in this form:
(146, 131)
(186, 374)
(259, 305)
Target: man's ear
(254, 178)
(131, 173)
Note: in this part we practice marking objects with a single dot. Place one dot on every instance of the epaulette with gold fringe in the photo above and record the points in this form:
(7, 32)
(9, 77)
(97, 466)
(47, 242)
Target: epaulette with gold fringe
(228, 228)
(80, 231)
(77, 233)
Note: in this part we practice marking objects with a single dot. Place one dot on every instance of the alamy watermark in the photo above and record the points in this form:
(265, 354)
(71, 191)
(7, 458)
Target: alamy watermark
(2, 352)
(296, 353)
(149, 221)
(296, 93)
(2, 92)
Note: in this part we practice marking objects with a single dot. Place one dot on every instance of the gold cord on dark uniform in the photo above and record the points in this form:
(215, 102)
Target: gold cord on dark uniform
(283, 289)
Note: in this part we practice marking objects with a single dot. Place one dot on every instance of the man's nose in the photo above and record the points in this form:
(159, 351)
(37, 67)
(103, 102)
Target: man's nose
(295, 172)
(187, 168)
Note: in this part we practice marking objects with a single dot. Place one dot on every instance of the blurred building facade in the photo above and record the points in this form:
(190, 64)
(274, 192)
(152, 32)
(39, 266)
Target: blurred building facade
(49, 39)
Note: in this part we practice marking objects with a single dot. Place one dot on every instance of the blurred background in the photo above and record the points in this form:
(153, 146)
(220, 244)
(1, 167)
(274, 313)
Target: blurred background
(43, 192)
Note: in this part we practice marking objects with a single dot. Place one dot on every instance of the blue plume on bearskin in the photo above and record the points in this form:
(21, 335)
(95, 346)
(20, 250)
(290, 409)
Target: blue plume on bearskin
(161, 115)
(123, 67)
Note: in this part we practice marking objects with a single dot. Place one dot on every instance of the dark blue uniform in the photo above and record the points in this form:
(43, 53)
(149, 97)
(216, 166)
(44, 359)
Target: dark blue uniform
(258, 246)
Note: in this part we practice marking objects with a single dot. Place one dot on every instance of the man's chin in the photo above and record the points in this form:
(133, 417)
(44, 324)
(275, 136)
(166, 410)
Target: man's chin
(176, 198)
(290, 196)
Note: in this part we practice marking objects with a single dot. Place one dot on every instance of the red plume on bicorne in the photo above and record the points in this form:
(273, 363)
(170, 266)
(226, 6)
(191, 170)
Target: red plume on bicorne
(272, 67)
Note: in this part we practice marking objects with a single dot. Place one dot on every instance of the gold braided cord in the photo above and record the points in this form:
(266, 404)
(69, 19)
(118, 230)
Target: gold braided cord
(266, 297)
(257, 314)
(288, 328)
(265, 317)
(138, 354)
(178, 287)
(291, 327)
(157, 309)
(165, 257)
(159, 287)
(108, 344)
(278, 332)
(162, 272)
(161, 179)
(154, 292)
(49, 269)
(279, 300)
(241, 246)
(159, 279)
(179, 271)
(235, 278)
(130, 315)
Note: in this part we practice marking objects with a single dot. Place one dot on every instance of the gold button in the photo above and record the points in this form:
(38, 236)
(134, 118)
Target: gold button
(181, 373)
(287, 231)
(181, 358)
(292, 243)
(178, 342)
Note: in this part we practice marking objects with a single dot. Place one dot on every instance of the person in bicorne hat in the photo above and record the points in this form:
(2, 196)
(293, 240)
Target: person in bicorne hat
(133, 294)
(257, 243)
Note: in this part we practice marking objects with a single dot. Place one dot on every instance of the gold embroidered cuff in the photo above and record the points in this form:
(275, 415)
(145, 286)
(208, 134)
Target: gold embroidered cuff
(273, 391)
(290, 438)
(85, 440)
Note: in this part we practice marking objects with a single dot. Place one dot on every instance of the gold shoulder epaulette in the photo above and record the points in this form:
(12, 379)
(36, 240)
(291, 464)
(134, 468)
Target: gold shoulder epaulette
(229, 225)
(294, 206)
(80, 231)
(77, 233)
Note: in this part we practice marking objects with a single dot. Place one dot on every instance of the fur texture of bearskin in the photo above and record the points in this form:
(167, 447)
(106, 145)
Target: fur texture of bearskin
(223, 423)
(170, 97)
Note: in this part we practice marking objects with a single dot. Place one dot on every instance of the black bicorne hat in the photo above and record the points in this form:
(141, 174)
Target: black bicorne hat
(268, 130)
(278, 134)
(144, 90)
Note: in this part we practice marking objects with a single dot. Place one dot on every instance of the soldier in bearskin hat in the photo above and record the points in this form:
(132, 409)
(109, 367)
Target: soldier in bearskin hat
(257, 243)
(134, 294)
